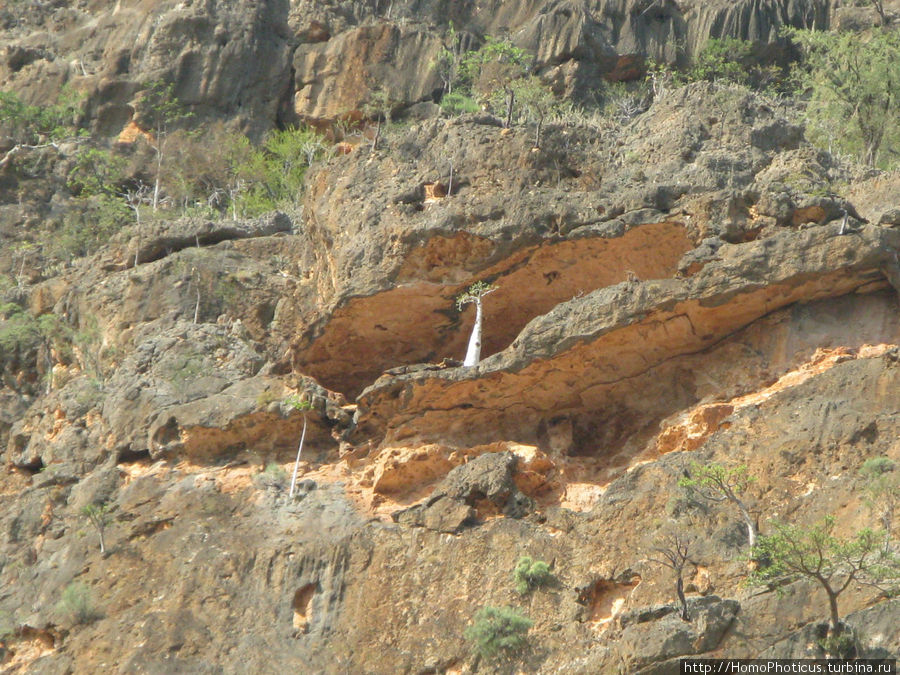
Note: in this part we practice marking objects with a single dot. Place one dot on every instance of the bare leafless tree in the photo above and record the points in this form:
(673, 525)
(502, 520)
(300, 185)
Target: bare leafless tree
(673, 552)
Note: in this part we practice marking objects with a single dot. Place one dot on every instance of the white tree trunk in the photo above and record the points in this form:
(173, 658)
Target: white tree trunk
(473, 353)
(297, 462)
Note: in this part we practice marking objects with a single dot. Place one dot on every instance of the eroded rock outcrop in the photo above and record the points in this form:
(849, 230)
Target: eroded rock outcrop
(591, 358)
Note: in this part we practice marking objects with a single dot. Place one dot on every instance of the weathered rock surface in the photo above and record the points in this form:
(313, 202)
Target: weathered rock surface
(582, 220)
(672, 289)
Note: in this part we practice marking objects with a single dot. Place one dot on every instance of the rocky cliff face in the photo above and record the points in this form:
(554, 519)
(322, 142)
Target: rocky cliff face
(678, 288)
(280, 61)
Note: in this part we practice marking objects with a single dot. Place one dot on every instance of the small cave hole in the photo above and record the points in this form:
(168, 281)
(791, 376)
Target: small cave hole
(605, 598)
(132, 456)
(302, 606)
(33, 467)
(168, 433)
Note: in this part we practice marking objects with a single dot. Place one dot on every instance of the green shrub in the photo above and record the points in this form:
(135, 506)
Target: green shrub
(722, 59)
(18, 329)
(882, 491)
(34, 124)
(843, 646)
(457, 103)
(77, 605)
(498, 631)
(529, 574)
(274, 173)
(876, 466)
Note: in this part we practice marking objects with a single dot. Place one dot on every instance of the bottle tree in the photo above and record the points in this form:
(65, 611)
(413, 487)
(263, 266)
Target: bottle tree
(475, 293)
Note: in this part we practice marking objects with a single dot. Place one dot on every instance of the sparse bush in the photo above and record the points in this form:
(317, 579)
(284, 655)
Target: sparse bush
(273, 474)
(536, 103)
(529, 574)
(99, 517)
(882, 490)
(843, 646)
(673, 550)
(87, 225)
(623, 102)
(498, 631)
(77, 605)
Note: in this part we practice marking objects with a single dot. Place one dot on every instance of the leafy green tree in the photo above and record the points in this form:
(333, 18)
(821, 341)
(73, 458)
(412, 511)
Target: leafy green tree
(98, 209)
(815, 553)
(95, 171)
(35, 124)
(854, 91)
(495, 67)
(88, 224)
(498, 632)
(716, 484)
(529, 574)
(21, 330)
(273, 174)
(18, 328)
(38, 126)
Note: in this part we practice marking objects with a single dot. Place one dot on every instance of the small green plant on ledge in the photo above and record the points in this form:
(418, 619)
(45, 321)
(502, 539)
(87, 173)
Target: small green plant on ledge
(529, 574)
(498, 632)
(273, 474)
